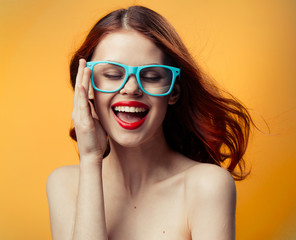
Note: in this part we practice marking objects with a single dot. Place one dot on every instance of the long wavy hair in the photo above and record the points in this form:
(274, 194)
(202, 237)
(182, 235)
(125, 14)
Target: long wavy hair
(204, 125)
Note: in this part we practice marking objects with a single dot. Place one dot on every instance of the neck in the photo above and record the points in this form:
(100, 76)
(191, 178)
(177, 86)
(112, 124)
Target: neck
(137, 167)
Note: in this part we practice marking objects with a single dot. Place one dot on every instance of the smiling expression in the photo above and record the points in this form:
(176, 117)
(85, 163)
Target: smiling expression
(129, 116)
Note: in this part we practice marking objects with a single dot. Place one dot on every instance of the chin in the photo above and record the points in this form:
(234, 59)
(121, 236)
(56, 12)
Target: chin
(127, 141)
(136, 139)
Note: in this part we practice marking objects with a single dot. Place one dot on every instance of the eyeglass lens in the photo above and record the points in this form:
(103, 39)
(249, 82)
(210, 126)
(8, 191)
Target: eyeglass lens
(110, 77)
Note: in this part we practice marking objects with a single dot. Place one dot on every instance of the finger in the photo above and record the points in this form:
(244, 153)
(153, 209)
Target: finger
(92, 110)
(84, 109)
(82, 64)
(101, 133)
(86, 79)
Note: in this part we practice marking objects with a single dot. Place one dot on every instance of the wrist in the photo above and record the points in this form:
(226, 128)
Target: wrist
(91, 162)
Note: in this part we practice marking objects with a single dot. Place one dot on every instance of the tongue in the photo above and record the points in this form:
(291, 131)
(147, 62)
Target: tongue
(130, 117)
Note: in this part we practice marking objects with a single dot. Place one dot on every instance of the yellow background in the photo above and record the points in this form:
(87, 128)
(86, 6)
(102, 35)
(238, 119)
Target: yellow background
(248, 46)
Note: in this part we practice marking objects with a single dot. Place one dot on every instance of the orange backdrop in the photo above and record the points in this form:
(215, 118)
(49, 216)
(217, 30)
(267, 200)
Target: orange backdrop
(247, 46)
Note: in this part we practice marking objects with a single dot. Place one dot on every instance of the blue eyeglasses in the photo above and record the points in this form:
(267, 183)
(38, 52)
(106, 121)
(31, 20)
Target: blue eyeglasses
(155, 80)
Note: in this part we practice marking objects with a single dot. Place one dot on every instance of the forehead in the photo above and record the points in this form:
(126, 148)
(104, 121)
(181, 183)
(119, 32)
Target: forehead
(129, 47)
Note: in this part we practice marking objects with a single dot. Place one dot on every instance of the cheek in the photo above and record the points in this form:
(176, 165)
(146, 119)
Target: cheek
(161, 109)
(101, 105)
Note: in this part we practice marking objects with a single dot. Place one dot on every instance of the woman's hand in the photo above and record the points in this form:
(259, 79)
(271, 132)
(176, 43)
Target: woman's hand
(91, 137)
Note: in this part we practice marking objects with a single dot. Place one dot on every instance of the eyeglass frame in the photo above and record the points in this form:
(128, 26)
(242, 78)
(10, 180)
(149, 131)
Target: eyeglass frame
(135, 70)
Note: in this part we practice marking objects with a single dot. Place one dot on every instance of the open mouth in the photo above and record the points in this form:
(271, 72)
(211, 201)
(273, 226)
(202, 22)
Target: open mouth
(130, 114)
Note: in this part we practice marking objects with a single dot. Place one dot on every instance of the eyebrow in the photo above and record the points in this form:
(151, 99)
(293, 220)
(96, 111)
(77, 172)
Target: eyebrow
(153, 63)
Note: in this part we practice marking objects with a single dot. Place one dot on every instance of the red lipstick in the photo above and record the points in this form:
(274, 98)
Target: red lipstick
(128, 109)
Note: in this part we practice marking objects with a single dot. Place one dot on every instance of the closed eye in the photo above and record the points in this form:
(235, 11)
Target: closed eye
(113, 76)
(150, 75)
(152, 79)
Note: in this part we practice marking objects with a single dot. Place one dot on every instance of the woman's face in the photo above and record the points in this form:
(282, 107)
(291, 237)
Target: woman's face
(129, 116)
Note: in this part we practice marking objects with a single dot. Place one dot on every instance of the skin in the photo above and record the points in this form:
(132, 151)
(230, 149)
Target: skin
(143, 189)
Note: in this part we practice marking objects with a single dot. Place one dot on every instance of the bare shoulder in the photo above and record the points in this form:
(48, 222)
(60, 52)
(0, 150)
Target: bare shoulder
(62, 185)
(61, 188)
(65, 177)
(210, 197)
(63, 171)
(209, 179)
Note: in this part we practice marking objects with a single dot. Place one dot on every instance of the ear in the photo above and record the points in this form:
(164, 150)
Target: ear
(91, 94)
(174, 96)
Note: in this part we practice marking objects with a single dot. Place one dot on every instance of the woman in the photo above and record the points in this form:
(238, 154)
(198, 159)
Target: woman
(152, 136)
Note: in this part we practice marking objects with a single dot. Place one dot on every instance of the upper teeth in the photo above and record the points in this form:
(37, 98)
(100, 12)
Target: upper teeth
(129, 109)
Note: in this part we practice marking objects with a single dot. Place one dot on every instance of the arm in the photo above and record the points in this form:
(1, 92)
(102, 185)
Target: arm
(212, 203)
(90, 213)
(86, 220)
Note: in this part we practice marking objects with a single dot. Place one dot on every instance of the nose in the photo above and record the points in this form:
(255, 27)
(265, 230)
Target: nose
(131, 87)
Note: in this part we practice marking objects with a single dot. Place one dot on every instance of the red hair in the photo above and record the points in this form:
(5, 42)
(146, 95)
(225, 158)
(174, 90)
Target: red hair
(203, 125)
